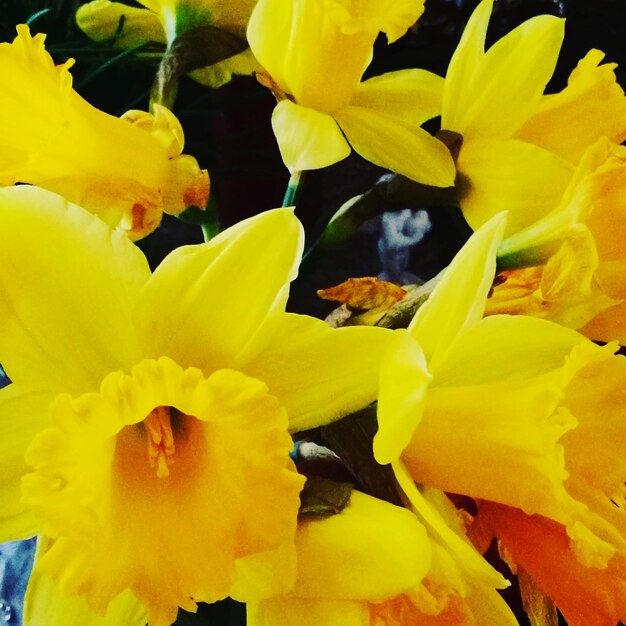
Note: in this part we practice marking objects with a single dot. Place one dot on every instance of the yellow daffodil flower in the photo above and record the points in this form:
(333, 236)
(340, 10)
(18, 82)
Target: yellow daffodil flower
(154, 410)
(127, 171)
(315, 54)
(371, 564)
(575, 254)
(519, 146)
(508, 409)
(163, 21)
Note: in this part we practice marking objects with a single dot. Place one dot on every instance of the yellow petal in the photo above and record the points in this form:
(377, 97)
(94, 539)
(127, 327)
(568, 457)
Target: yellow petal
(319, 373)
(287, 611)
(404, 380)
(299, 44)
(464, 66)
(370, 551)
(125, 26)
(463, 553)
(397, 145)
(508, 81)
(46, 605)
(22, 415)
(591, 106)
(410, 95)
(509, 175)
(121, 485)
(458, 301)
(204, 303)
(219, 74)
(68, 287)
(308, 139)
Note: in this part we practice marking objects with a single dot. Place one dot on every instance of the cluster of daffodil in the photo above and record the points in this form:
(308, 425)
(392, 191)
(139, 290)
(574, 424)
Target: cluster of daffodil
(147, 432)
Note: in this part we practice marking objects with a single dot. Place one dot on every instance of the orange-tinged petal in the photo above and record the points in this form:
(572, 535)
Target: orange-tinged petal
(308, 139)
(587, 596)
(287, 611)
(591, 106)
(204, 303)
(393, 143)
(88, 277)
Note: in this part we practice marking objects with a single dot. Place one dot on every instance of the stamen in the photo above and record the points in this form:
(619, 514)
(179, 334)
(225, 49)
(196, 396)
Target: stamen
(161, 447)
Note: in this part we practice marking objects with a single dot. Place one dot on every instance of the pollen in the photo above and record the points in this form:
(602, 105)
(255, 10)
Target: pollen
(160, 440)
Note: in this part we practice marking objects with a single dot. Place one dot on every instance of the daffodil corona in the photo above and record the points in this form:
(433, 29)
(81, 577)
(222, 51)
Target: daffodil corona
(162, 477)
(127, 171)
(314, 54)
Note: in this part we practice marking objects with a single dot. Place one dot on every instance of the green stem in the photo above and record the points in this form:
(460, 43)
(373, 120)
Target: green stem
(210, 223)
(294, 187)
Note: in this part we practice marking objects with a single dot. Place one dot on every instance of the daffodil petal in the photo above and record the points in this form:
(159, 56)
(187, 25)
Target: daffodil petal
(458, 301)
(510, 79)
(288, 611)
(46, 605)
(507, 347)
(204, 303)
(318, 373)
(217, 75)
(593, 104)
(308, 139)
(510, 175)
(396, 145)
(410, 95)
(371, 551)
(125, 26)
(464, 66)
(466, 556)
(404, 380)
(56, 253)
(23, 414)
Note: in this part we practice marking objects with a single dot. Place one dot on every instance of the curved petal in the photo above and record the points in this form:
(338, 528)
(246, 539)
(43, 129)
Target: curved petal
(509, 175)
(410, 95)
(464, 66)
(370, 551)
(590, 107)
(458, 301)
(308, 139)
(510, 79)
(318, 373)
(404, 380)
(125, 26)
(459, 548)
(396, 145)
(204, 303)
(22, 415)
(220, 73)
(68, 285)
(46, 605)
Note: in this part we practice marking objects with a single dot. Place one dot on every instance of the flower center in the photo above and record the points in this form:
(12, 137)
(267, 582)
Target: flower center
(160, 439)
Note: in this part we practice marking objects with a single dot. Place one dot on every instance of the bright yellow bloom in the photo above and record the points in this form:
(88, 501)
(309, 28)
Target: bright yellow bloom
(520, 147)
(164, 465)
(373, 564)
(576, 256)
(127, 171)
(315, 53)
(508, 409)
(163, 21)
